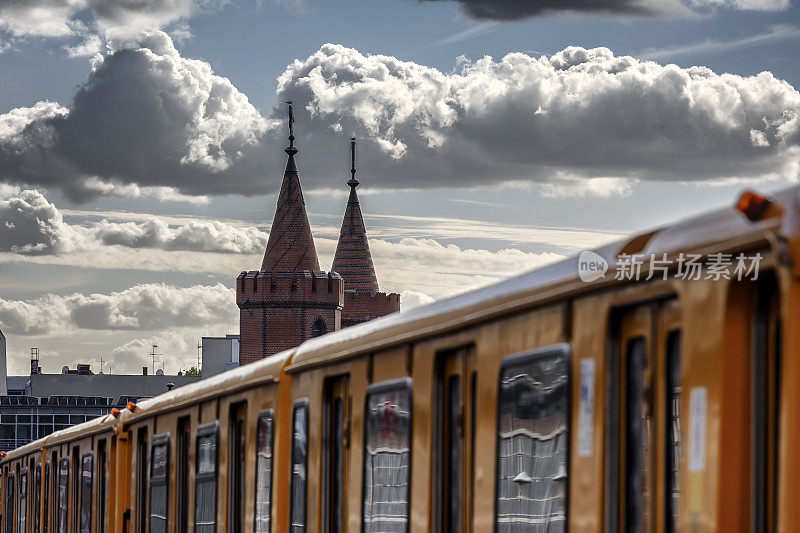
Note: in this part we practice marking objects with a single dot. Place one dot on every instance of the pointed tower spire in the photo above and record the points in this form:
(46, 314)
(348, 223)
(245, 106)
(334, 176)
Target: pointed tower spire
(290, 246)
(353, 260)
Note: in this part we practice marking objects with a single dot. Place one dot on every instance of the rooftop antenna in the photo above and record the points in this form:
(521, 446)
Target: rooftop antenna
(101, 364)
(199, 351)
(153, 354)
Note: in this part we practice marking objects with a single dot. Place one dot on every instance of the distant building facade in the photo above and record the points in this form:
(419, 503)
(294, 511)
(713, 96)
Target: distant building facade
(220, 354)
(290, 300)
(34, 406)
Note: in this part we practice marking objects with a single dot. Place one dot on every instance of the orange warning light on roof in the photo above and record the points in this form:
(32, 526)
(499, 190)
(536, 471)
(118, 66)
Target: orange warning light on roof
(131, 407)
(115, 412)
(755, 207)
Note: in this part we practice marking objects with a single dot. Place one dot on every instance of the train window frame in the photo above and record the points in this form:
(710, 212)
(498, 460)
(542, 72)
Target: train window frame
(62, 521)
(142, 473)
(158, 480)
(36, 500)
(301, 404)
(520, 359)
(401, 384)
(672, 376)
(182, 467)
(85, 499)
(23, 491)
(264, 418)
(102, 484)
(206, 431)
(10, 498)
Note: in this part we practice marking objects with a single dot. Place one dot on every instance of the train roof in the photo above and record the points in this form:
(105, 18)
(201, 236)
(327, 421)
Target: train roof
(100, 424)
(22, 451)
(722, 229)
(263, 371)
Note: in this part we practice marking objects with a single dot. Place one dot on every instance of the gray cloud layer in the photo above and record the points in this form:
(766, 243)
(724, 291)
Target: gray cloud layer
(147, 117)
(31, 225)
(142, 307)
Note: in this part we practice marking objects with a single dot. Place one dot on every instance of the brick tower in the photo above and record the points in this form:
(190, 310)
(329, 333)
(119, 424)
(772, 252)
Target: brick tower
(353, 261)
(289, 300)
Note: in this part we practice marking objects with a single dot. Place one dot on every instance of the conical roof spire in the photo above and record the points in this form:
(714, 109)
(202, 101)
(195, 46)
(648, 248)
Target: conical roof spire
(353, 260)
(290, 246)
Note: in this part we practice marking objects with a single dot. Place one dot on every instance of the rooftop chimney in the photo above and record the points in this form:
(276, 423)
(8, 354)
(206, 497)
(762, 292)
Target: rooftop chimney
(144, 370)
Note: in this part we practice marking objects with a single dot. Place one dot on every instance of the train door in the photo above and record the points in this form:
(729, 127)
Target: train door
(454, 397)
(236, 474)
(336, 443)
(645, 419)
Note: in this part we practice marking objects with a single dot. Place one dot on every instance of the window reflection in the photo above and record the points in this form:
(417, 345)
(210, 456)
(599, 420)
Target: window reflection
(387, 460)
(532, 444)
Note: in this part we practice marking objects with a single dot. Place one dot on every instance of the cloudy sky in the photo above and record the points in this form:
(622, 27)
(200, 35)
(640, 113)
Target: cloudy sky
(141, 145)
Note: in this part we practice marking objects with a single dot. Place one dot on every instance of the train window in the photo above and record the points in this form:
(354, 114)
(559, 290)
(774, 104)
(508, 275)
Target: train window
(182, 489)
(141, 481)
(263, 473)
(87, 482)
(297, 513)
(10, 485)
(63, 496)
(37, 498)
(673, 430)
(532, 441)
(22, 511)
(102, 484)
(205, 504)
(236, 444)
(159, 476)
(387, 457)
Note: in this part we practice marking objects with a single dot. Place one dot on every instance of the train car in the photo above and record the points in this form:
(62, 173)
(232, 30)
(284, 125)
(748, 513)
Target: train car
(643, 387)
(22, 484)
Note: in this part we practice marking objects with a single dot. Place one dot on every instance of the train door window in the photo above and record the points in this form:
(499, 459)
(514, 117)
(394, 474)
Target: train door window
(141, 480)
(638, 437)
(87, 486)
(63, 496)
(22, 511)
(387, 457)
(452, 447)
(236, 444)
(205, 493)
(54, 484)
(334, 448)
(102, 486)
(159, 478)
(765, 394)
(533, 441)
(46, 493)
(299, 492)
(182, 489)
(673, 429)
(37, 499)
(263, 507)
(10, 486)
(76, 487)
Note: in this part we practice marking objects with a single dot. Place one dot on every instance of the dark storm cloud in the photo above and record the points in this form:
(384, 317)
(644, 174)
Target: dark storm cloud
(508, 10)
(520, 9)
(147, 117)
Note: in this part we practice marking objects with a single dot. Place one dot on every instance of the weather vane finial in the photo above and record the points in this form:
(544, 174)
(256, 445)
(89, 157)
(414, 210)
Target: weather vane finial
(291, 149)
(353, 182)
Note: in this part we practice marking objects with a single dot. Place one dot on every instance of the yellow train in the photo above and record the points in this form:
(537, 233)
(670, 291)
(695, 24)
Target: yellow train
(542, 403)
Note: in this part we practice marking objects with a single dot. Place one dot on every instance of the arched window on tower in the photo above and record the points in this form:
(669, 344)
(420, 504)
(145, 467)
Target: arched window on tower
(318, 328)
